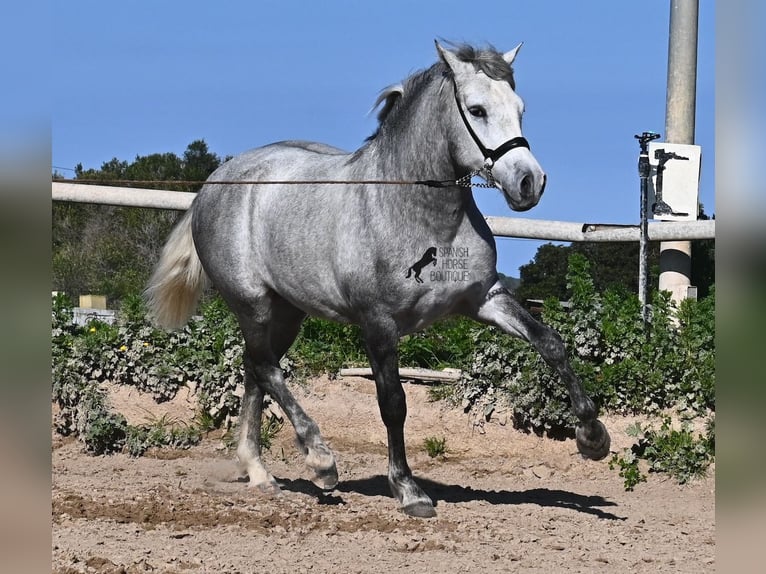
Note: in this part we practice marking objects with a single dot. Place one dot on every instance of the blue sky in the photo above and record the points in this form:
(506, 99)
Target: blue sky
(134, 78)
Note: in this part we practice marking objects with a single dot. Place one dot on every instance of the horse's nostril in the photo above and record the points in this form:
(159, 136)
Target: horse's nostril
(542, 187)
(526, 186)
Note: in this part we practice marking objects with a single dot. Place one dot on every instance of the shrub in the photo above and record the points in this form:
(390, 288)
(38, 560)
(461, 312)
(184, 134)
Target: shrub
(446, 343)
(205, 355)
(325, 347)
(670, 450)
(625, 366)
(161, 432)
(102, 431)
(435, 446)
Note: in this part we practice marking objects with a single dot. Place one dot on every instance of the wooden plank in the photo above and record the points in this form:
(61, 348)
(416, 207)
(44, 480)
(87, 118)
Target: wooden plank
(418, 374)
(500, 226)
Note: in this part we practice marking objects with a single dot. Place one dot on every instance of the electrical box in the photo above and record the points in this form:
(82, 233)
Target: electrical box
(675, 181)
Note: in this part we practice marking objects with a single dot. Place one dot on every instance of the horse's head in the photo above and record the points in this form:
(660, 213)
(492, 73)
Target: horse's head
(486, 132)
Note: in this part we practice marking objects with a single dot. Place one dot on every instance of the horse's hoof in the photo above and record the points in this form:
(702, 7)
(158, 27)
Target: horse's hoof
(326, 479)
(593, 440)
(321, 460)
(269, 488)
(419, 510)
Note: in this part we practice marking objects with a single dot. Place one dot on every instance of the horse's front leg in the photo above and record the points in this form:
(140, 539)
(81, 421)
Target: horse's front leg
(381, 344)
(501, 309)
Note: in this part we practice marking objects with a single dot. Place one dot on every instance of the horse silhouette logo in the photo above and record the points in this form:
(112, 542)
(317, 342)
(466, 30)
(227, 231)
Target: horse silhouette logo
(429, 257)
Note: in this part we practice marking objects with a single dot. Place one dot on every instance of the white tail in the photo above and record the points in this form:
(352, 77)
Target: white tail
(178, 280)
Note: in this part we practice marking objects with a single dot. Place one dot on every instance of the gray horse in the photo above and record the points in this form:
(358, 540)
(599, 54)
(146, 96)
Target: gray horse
(280, 239)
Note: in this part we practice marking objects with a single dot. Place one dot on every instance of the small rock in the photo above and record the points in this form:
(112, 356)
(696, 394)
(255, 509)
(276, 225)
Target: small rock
(541, 471)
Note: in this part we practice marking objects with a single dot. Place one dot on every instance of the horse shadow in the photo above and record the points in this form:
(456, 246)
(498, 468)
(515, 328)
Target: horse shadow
(453, 493)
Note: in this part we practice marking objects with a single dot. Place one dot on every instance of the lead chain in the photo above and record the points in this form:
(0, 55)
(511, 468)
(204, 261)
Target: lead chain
(465, 181)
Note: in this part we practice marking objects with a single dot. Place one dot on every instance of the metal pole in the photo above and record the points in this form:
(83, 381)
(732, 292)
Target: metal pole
(643, 247)
(644, 171)
(680, 108)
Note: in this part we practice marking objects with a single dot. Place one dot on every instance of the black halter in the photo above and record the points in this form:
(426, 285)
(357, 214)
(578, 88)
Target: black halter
(490, 155)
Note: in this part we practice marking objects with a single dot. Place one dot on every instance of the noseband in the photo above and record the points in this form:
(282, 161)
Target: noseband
(490, 155)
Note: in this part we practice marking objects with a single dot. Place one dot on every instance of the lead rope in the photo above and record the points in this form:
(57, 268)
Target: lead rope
(485, 172)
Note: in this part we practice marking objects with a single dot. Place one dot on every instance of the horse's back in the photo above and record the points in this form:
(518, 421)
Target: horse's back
(278, 160)
(313, 147)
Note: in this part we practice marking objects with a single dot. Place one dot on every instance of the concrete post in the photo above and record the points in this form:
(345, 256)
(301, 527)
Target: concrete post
(680, 108)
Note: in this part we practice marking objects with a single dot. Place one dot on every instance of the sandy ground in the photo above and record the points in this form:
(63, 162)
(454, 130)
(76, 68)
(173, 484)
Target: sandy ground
(506, 502)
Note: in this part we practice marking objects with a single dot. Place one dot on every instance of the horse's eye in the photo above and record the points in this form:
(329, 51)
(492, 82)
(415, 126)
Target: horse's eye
(477, 111)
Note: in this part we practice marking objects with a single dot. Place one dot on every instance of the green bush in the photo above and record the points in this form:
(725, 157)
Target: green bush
(625, 366)
(444, 344)
(435, 446)
(162, 432)
(102, 431)
(205, 355)
(325, 347)
(673, 451)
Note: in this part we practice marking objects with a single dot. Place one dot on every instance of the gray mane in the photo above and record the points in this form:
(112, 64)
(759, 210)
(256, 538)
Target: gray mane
(487, 60)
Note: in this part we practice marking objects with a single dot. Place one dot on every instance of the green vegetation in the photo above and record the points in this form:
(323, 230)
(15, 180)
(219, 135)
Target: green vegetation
(670, 450)
(111, 250)
(161, 432)
(624, 367)
(669, 365)
(269, 430)
(435, 446)
(613, 266)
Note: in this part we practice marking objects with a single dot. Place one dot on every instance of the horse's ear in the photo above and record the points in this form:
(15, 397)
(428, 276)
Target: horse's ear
(510, 56)
(450, 59)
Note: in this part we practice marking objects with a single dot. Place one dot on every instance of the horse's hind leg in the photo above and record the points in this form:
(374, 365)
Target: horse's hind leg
(266, 342)
(502, 310)
(319, 458)
(381, 343)
(249, 444)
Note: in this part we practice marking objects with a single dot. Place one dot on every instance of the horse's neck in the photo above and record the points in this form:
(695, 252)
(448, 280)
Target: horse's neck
(418, 151)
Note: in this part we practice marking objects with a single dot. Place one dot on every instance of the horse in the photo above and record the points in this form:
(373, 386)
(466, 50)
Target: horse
(429, 258)
(299, 228)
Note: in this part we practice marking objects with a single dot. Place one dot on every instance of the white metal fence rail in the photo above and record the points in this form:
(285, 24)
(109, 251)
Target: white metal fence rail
(518, 227)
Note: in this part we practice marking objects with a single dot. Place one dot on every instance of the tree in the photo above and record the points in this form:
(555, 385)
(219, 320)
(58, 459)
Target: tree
(545, 275)
(198, 162)
(613, 265)
(112, 250)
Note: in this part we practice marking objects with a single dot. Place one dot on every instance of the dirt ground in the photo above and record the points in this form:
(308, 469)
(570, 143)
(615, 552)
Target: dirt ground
(506, 502)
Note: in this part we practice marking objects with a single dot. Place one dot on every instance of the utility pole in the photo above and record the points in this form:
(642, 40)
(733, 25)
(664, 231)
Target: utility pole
(680, 108)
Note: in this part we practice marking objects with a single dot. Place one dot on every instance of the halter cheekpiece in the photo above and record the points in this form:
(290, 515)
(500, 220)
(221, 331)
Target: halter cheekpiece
(490, 155)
